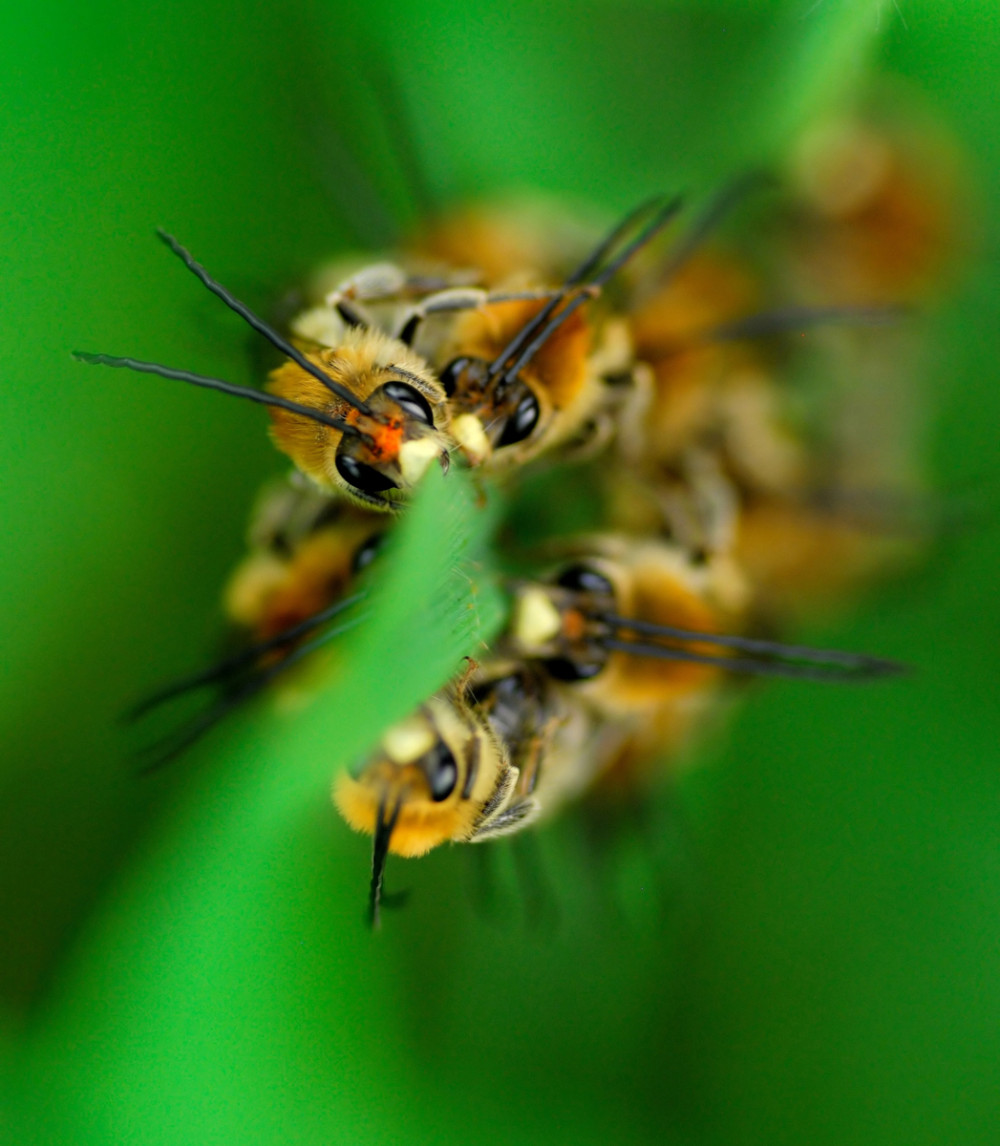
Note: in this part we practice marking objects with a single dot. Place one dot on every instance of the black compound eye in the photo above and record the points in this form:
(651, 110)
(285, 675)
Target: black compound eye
(441, 770)
(370, 549)
(521, 422)
(410, 401)
(583, 579)
(450, 374)
(562, 668)
(367, 479)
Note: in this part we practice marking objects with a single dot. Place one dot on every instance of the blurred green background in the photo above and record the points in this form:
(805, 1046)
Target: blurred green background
(803, 942)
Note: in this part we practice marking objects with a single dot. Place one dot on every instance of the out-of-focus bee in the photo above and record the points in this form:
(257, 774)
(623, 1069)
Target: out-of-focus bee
(305, 553)
(876, 203)
(725, 454)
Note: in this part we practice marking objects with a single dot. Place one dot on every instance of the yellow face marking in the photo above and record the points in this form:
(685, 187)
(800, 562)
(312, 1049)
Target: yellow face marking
(470, 435)
(408, 740)
(415, 456)
(536, 620)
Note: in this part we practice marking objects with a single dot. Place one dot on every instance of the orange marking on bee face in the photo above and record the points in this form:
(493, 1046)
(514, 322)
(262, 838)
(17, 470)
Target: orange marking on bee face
(574, 625)
(384, 439)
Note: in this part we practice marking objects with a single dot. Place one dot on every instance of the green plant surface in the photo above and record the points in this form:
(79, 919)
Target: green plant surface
(797, 943)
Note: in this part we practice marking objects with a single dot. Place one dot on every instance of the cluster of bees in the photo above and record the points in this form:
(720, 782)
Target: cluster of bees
(663, 369)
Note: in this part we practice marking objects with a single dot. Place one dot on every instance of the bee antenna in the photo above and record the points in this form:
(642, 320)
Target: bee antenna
(600, 252)
(585, 269)
(649, 232)
(259, 325)
(795, 318)
(384, 827)
(769, 658)
(233, 665)
(209, 383)
(718, 207)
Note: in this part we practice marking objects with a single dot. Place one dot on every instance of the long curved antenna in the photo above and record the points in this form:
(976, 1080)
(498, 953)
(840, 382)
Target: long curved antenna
(659, 221)
(259, 324)
(233, 665)
(582, 272)
(770, 658)
(601, 251)
(261, 396)
(718, 207)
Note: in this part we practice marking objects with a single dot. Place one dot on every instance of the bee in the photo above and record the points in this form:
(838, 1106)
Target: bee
(724, 456)
(524, 378)
(365, 421)
(495, 752)
(383, 441)
(645, 634)
(874, 206)
(305, 553)
(520, 365)
(616, 655)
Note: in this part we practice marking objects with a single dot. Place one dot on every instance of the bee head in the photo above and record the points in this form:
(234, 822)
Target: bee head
(388, 440)
(561, 622)
(505, 400)
(424, 771)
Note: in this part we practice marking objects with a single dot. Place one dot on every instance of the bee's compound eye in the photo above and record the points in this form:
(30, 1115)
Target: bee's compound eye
(583, 579)
(410, 401)
(362, 477)
(441, 770)
(564, 669)
(521, 422)
(450, 374)
(367, 552)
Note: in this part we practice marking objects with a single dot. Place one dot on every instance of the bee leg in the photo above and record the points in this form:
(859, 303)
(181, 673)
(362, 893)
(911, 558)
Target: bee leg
(380, 282)
(512, 819)
(461, 298)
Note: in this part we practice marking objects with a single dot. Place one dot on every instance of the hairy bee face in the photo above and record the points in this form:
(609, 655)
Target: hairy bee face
(438, 772)
(572, 624)
(386, 447)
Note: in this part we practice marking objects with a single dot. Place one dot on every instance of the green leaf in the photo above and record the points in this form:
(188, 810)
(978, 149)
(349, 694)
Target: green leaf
(185, 960)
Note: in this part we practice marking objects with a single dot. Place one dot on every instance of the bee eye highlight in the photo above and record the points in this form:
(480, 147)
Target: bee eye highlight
(521, 423)
(410, 401)
(583, 579)
(365, 478)
(441, 770)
